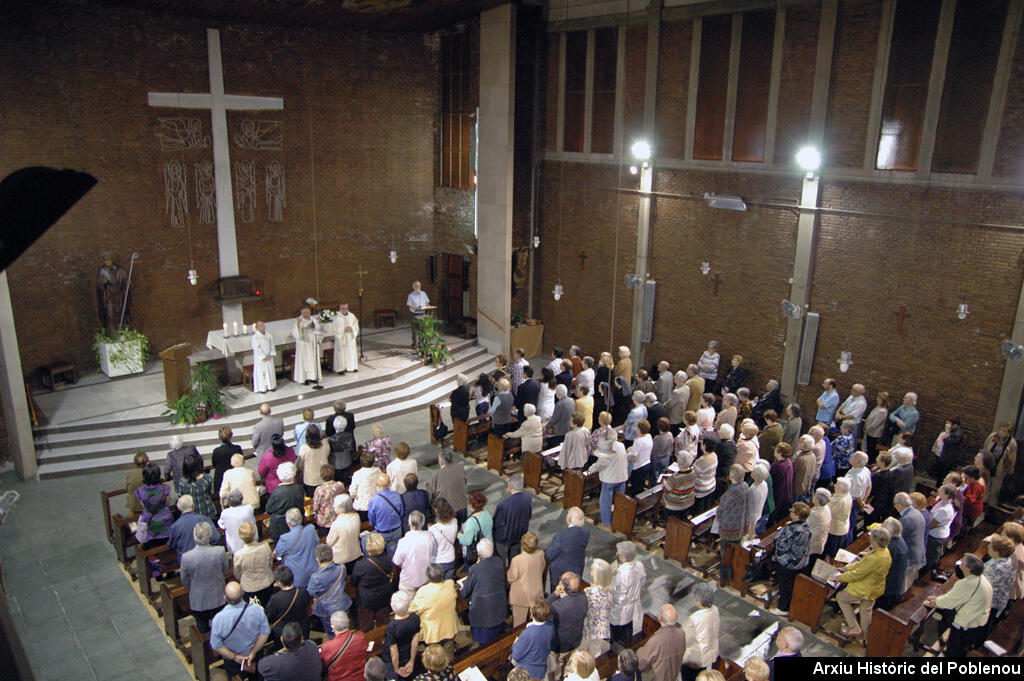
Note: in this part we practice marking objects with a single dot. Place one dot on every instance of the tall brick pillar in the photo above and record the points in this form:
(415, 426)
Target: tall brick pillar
(12, 389)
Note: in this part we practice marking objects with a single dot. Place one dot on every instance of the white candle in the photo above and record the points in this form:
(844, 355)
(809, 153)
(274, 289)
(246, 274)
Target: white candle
(245, 330)
(225, 329)
(234, 328)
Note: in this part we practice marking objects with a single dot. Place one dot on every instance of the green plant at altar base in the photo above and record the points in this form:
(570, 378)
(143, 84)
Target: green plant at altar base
(205, 399)
(432, 347)
(184, 410)
(125, 346)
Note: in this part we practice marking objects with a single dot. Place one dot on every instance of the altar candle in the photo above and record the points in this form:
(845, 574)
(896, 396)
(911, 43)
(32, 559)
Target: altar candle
(225, 329)
(234, 328)
(245, 329)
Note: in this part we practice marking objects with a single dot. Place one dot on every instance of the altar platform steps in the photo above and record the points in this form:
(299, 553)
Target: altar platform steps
(91, 447)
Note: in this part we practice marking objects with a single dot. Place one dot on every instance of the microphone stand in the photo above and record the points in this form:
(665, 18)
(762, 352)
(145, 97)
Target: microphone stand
(361, 273)
(316, 339)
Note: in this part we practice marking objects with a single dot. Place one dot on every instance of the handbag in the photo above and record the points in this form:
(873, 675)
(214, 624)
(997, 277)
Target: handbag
(470, 551)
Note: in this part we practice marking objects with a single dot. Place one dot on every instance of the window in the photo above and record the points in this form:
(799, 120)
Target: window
(575, 90)
(458, 111)
(712, 85)
(970, 69)
(755, 76)
(906, 88)
(602, 125)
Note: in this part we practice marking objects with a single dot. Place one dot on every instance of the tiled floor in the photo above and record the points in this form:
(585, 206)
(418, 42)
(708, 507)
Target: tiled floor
(80, 618)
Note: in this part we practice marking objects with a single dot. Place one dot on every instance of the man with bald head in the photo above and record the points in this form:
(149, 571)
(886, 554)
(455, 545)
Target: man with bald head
(385, 513)
(264, 429)
(567, 551)
(238, 631)
(852, 410)
(663, 652)
(568, 610)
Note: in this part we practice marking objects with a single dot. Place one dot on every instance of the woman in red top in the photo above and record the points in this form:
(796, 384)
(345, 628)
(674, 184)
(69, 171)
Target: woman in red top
(974, 496)
(342, 658)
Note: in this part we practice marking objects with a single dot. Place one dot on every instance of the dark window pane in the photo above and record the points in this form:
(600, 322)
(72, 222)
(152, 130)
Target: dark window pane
(575, 90)
(602, 121)
(906, 88)
(752, 88)
(973, 53)
(458, 103)
(709, 130)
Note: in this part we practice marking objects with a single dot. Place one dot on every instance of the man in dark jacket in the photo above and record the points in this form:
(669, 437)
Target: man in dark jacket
(528, 393)
(512, 519)
(567, 551)
(449, 482)
(484, 588)
(568, 609)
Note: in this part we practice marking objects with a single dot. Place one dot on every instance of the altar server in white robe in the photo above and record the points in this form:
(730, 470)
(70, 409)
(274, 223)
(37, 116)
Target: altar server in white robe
(264, 377)
(346, 347)
(307, 348)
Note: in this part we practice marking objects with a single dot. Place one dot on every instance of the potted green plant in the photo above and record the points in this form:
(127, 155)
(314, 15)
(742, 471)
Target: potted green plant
(184, 410)
(432, 347)
(121, 353)
(207, 392)
(517, 319)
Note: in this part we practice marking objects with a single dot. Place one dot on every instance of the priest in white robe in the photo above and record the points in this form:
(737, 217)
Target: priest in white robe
(264, 377)
(346, 346)
(306, 333)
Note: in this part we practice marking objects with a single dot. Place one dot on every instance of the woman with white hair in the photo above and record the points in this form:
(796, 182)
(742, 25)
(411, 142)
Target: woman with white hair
(295, 548)
(733, 514)
(380, 446)
(748, 449)
(401, 638)
(460, 398)
(819, 520)
(612, 466)
(758, 495)
(729, 411)
(636, 414)
(287, 495)
(839, 509)
(327, 587)
(343, 537)
(596, 629)
(627, 610)
(624, 367)
(484, 588)
(231, 518)
(172, 465)
(531, 431)
(707, 365)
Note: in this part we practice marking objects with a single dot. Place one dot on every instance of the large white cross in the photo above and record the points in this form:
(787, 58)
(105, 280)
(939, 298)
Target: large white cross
(218, 103)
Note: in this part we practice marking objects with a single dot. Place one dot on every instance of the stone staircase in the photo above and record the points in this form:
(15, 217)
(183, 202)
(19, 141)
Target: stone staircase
(111, 443)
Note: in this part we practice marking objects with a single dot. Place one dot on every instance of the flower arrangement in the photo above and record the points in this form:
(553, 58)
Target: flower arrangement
(326, 316)
(432, 346)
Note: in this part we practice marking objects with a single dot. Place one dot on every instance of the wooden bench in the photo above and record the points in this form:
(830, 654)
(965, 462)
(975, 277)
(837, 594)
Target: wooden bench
(202, 655)
(58, 373)
(1008, 634)
(680, 535)
(578, 485)
(626, 509)
(384, 316)
(498, 449)
(534, 464)
(463, 430)
(810, 595)
(740, 557)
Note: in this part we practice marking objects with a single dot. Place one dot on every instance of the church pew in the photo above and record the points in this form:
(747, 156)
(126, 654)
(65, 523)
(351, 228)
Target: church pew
(494, 659)
(579, 484)
(202, 655)
(625, 508)
(1007, 634)
(463, 430)
(498, 449)
(607, 664)
(680, 535)
(740, 557)
(810, 595)
(173, 608)
(435, 420)
(168, 563)
(534, 465)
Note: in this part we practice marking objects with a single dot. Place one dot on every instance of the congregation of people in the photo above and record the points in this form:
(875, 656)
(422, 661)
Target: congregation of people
(354, 543)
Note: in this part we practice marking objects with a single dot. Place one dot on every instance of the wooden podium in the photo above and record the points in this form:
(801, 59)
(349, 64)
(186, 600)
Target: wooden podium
(177, 372)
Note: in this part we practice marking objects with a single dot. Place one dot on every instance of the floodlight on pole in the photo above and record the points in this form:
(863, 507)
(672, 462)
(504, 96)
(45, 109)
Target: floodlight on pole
(809, 159)
(641, 150)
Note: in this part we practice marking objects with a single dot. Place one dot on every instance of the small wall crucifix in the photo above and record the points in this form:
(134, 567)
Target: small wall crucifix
(583, 260)
(715, 281)
(901, 315)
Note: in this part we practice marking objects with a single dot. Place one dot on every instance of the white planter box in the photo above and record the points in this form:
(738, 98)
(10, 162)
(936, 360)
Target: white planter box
(132, 350)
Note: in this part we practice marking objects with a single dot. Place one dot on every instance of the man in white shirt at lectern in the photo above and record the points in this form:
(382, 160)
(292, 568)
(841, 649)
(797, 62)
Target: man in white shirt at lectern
(417, 302)
(264, 377)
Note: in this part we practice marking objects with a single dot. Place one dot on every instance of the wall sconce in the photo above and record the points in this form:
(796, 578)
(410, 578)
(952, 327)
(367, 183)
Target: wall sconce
(193, 276)
(558, 291)
(845, 360)
(963, 309)
(536, 242)
(705, 267)
(393, 256)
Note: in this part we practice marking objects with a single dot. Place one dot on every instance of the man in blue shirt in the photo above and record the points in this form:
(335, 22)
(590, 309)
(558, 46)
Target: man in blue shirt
(906, 415)
(238, 631)
(828, 402)
(385, 514)
(181, 539)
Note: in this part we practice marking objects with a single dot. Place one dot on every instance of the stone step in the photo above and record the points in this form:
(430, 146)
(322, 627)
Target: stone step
(289, 406)
(154, 441)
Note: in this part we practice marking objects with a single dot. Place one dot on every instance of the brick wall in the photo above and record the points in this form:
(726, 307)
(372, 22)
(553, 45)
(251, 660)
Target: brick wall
(359, 150)
(673, 87)
(853, 69)
(1009, 161)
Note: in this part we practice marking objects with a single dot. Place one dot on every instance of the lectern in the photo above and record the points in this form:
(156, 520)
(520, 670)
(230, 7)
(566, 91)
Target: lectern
(177, 373)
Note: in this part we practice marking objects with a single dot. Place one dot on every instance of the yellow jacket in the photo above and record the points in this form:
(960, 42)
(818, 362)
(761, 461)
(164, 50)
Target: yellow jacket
(866, 577)
(435, 605)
